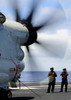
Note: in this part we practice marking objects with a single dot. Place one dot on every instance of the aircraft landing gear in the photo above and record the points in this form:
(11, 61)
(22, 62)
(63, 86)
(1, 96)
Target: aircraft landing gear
(5, 93)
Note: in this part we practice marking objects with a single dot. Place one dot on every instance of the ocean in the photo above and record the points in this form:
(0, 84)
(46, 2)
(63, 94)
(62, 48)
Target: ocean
(37, 76)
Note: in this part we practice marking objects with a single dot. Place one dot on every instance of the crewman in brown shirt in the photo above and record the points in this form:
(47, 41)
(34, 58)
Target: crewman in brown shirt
(52, 74)
(64, 75)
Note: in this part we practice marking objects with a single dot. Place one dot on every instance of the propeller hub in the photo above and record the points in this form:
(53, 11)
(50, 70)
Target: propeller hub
(32, 34)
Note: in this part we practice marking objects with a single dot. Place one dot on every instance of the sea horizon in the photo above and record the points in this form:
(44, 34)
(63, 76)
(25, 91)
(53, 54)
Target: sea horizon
(37, 76)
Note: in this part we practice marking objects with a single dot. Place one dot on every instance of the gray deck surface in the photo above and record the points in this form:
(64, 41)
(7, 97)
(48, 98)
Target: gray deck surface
(25, 94)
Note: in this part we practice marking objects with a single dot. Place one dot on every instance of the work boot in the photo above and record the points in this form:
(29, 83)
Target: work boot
(48, 92)
(61, 91)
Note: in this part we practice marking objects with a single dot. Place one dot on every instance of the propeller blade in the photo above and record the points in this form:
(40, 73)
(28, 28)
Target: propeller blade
(31, 59)
(32, 62)
(14, 5)
(39, 27)
(56, 17)
(29, 18)
(53, 45)
(18, 19)
(49, 23)
(37, 42)
(27, 47)
(34, 6)
(23, 21)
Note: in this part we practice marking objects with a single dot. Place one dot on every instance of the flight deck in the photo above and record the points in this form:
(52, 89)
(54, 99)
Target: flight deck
(39, 93)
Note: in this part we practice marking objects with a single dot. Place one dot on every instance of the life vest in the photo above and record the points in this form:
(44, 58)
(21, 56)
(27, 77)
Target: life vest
(64, 75)
(52, 76)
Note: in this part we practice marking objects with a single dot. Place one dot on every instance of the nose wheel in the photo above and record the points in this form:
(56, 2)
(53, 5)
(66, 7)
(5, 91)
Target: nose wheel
(5, 94)
(9, 95)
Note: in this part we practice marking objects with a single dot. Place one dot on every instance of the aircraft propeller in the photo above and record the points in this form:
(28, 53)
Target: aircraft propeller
(33, 29)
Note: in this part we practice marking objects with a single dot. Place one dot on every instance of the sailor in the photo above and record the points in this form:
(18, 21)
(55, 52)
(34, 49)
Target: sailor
(64, 75)
(52, 74)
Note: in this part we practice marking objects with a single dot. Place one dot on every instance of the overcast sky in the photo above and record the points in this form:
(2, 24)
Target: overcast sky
(55, 38)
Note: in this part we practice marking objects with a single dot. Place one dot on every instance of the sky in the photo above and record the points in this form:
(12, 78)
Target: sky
(55, 37)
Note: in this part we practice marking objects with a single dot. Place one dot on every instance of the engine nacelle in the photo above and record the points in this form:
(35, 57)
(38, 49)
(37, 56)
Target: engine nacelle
(12, 36)
(9, 70)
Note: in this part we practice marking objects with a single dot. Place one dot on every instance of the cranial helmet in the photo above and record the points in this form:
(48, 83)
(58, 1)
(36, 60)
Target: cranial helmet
(51, 68)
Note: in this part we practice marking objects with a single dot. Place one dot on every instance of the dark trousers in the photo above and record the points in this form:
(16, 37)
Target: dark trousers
(49, 86)
(62, 85)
